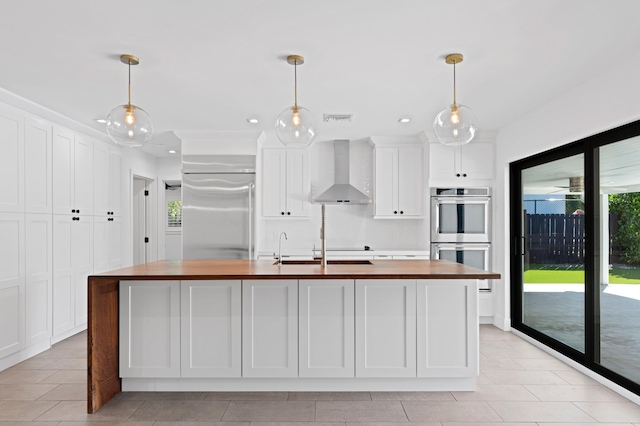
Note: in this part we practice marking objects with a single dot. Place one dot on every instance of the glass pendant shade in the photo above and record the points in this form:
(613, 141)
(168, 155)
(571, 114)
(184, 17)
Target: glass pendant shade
(455, 125)
(129, 126)
(295, 127)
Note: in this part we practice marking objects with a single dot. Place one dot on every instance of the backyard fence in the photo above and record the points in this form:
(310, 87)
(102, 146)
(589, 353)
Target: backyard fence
(552, 239)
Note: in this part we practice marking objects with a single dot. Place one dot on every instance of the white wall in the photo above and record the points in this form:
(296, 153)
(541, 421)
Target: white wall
(605, 102)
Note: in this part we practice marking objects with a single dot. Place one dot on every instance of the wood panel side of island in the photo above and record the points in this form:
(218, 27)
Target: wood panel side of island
(103, 339)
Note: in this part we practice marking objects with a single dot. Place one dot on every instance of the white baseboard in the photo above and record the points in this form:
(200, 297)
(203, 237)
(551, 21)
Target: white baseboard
(24, 354)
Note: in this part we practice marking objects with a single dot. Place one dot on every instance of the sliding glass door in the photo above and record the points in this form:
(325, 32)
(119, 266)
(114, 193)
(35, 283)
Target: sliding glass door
(575, 251)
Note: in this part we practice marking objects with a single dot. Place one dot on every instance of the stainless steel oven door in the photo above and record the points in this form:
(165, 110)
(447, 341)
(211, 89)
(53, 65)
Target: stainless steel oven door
(460, 219)
(477, 255)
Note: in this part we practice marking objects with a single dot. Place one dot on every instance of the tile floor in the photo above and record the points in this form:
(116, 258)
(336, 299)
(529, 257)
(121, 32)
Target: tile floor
(519, 385)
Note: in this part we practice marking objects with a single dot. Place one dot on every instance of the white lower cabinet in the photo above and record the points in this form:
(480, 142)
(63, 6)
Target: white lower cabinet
(107, 242)
(210, 322)
(12, 283)
(326, 328)
(270, 328)
(39, 277)
(149, 328)
(447, 315)
(385, 328)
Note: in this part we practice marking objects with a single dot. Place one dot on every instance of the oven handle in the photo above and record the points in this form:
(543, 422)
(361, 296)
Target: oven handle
(481, 246)
(459, 200)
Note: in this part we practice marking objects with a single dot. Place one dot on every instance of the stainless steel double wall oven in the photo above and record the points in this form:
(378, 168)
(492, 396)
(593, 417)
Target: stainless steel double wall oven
(461, 227)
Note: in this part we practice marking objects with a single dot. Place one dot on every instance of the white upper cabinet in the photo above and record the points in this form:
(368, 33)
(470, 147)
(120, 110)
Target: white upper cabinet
(72, 173)
(474, 160)
(286, 183)
(398, 182)
(107, 180)
(115, 182)
(38, 166)
(11, 161)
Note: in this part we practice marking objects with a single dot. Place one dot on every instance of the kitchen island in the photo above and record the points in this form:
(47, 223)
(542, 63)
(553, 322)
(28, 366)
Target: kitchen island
(254, 325)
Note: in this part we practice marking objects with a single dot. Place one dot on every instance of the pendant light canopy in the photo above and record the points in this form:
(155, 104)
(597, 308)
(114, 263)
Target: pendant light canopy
(295, 126)
(129, 125)
(456, 124)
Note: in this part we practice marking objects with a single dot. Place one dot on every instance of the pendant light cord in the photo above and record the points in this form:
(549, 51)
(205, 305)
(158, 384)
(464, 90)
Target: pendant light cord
(129, 87)
(454, 82)
(295, 86)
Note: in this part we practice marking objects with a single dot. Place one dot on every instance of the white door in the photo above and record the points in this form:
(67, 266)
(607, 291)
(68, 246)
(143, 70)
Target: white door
(298, 183)
(38, 166)
(327, 340)
(447, 328)
(211, 328)
(12, 283)
(39, 277)
(63, 275)
(11, 161)
(270, 328)
(274, 182)
(101, 244)
(82, 261)
(83, 175)
(150, 329)
(385, 328)
(115, 243)
(101, 180)
(139, 221)
(386, 170)
(410, 181)
(115, 182)
(63, 160)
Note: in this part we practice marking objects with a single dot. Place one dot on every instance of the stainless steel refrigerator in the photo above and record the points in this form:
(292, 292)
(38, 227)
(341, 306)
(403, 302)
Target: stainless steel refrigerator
(218, 199)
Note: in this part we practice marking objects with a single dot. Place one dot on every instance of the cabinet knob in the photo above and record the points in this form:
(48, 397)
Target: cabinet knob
(289, 213)
(77, 211)
(457, 174)
(395, 212)
(282, 213)
(401, 212)
(464, 175)
(73, 211)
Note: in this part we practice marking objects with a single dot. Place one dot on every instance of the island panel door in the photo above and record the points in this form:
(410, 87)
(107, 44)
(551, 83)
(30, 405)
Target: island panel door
(270, 328)
(447, 328)
(385, 328)
(326, 328)
(149, 329)
(211, 328)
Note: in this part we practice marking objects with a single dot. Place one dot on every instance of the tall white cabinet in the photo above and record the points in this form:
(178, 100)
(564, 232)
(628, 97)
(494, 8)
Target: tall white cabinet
(39, 278)
(286, 179)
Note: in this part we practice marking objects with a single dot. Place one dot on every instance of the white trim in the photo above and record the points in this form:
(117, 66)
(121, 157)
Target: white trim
(581, 368)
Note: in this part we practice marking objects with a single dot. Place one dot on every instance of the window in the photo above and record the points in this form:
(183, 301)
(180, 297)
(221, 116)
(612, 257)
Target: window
(174, 214)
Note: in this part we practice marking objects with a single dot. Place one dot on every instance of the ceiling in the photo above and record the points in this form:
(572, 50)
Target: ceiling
(207, 66)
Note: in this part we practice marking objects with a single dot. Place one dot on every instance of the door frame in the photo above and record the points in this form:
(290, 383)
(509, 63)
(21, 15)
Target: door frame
(150, 216)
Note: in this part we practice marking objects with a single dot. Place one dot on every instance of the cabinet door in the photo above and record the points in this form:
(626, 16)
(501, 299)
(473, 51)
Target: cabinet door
(83, 175)
(82, 261)
(386, 182)
(447, 328)
(211, 329)
(410, 194)
(385, 328)
(442, 162)
(11, 161)
(63, 159)
(115, 181)
(298, 183)
(63, 275)
(39, 277)
(326, 328)
(101, 244)
(115, 243)
(38, 166)
(150, 329)
(270, 328)
(274, 182)
(477, 160)
(12, 283)
(101, 177)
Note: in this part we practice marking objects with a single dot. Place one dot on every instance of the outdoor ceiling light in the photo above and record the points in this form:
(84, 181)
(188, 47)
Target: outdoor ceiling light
(455, 125)
(295, 126)
(129, 125)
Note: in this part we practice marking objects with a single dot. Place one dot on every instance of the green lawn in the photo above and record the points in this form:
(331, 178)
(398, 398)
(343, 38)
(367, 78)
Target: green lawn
(552, 274)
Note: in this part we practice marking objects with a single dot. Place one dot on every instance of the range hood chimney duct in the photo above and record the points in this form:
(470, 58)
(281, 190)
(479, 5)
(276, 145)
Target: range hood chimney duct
(342, 192)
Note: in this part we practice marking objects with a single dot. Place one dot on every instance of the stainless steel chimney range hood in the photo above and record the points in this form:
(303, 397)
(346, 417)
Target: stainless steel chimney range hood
(342, 192)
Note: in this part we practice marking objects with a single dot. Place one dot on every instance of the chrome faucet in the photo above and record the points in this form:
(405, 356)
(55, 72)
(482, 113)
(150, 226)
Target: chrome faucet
(280, 247)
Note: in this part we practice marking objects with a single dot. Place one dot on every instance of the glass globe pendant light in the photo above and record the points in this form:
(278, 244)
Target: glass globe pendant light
(129, 125)
(456, 124)
(295, 126)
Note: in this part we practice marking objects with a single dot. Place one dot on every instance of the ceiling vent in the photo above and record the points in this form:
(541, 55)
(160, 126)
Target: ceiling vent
(337, 118)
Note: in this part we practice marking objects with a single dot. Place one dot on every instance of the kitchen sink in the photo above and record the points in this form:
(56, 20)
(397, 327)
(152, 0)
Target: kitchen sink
(330, 262)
